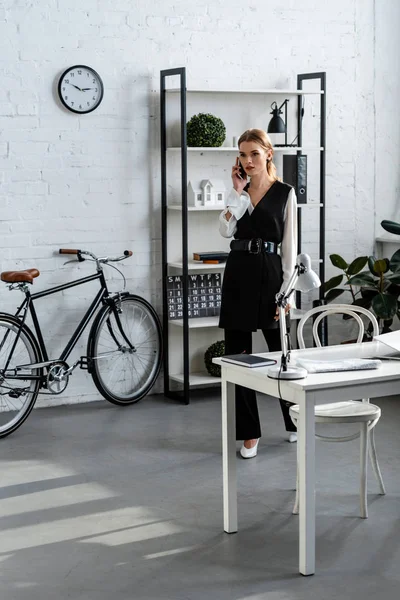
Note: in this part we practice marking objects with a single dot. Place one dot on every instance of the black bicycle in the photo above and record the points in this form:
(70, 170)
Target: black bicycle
(124, 347)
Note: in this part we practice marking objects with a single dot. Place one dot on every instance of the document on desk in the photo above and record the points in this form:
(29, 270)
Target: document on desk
(389, 344)
(329, 366)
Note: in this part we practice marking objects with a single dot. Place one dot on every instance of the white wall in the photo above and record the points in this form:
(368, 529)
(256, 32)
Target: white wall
(93, 181)
(387, 93)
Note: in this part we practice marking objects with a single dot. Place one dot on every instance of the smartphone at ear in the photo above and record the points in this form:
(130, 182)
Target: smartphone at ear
(242, 172)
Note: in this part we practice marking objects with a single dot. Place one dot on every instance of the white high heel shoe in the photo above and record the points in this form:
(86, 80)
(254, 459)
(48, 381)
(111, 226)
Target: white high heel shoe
(249, 452)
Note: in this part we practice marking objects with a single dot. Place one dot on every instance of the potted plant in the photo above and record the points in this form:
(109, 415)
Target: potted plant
(377, 288)
(205, 130)
(216, 350)
(391, 226)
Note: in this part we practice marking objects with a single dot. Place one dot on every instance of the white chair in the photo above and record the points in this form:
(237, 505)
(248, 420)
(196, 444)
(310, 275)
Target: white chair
(365, 414)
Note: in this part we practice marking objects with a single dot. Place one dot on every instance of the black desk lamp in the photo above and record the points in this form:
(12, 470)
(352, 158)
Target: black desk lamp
(277, 124)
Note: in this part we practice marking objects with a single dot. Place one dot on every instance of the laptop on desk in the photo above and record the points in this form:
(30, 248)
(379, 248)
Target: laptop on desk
(388, 346)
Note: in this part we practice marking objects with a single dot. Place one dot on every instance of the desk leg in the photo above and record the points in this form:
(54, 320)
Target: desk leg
(229, 456)
(306, 462)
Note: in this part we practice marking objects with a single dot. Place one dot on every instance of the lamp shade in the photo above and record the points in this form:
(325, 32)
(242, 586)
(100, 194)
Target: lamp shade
(307, 278)
(276, 124)
(308, 281)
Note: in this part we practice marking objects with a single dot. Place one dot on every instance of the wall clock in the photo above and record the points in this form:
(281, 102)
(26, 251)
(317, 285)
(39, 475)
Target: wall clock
(80, 89)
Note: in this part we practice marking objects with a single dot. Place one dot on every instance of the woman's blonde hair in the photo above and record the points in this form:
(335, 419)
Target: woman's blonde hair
(260, 137)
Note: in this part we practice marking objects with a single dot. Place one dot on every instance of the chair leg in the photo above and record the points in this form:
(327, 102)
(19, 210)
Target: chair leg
(363, 469)
(296, 502)
(374, 461)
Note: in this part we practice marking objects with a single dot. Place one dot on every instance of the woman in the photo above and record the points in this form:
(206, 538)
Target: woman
(261, 215)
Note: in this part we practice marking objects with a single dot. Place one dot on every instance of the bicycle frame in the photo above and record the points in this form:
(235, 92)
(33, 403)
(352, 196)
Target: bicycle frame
(102, 297)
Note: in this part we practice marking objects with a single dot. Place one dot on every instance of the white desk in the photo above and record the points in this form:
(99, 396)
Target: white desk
(315, 389)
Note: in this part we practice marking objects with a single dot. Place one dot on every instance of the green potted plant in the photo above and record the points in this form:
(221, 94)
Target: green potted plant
(391, 226)
(377, 288)
(205, 131)
(216, 350)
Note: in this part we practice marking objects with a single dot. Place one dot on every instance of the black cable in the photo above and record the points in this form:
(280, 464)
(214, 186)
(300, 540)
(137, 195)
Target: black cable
(279, 382)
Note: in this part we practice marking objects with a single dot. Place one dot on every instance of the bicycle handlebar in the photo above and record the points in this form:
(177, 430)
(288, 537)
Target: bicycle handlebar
(80, 253)
(68, 251)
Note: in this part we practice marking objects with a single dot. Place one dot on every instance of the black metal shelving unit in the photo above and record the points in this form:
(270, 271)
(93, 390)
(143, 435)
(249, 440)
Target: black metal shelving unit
(321, 77)
(184, 394)
(181, 73)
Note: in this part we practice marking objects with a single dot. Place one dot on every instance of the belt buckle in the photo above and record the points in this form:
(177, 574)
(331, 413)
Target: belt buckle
(257, 242)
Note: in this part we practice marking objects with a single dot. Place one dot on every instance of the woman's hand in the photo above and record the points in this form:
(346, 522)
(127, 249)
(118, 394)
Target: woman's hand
(238, 183)
(287, 308)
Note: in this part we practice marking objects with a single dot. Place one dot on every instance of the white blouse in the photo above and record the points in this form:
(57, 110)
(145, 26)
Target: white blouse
(288, 247)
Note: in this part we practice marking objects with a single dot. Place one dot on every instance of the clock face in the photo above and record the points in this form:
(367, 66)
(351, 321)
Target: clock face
(80, 89)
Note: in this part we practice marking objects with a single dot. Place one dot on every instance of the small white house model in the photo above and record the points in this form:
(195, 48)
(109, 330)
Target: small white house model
(207, 194)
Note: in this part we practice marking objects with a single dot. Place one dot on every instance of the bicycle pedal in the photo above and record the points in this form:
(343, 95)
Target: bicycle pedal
(86, 363)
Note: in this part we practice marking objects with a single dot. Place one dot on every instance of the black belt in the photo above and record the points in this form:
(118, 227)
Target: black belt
(254, 246)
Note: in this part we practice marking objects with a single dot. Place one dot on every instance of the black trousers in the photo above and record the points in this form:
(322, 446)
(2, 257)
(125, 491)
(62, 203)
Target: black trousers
(247, 418)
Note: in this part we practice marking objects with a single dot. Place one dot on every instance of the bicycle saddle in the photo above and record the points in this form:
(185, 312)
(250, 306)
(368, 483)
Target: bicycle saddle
(27, 275)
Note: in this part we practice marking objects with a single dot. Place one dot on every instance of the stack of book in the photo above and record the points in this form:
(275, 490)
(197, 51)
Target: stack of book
(211, 258)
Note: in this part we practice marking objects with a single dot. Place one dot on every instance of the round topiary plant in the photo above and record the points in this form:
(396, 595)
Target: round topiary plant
(205, 130)
(214, 351)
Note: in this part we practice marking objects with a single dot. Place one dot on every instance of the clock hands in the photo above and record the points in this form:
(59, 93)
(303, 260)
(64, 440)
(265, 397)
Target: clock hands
(81, 89)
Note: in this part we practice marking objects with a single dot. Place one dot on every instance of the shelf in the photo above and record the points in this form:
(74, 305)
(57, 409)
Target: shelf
(194, 266)
(197, 379)
(388, 240)
(267, 91)
(234, 149)
(201, 322)
(197, 323)
(296, 314)
(195, 208)
(186, 343)
(221, 208)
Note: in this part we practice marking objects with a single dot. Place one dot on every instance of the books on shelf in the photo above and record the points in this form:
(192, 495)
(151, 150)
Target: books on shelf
(248, 360)
(216, 257)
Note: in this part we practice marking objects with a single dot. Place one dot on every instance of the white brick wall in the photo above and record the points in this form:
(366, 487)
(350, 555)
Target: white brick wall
(93, 181)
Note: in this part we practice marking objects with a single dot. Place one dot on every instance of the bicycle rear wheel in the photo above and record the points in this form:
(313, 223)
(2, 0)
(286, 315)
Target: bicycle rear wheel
(17, 396)
(125, 372)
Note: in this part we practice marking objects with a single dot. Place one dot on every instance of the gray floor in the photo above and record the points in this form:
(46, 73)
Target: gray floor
(102, 503)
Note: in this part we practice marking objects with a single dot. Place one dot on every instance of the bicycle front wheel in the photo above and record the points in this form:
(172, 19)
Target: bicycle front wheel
(125, 350)
(17, 395)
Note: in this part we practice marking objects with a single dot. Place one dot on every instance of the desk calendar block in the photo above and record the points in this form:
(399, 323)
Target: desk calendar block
(204, 295)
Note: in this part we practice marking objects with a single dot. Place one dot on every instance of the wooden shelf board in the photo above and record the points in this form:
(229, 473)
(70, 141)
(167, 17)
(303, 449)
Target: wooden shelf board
(197, 323)
(194, 266)
(388, 240)
(221, 208)
(265, 91)
(201, 322)
(197, 379)
(234, 149)
(195, 208)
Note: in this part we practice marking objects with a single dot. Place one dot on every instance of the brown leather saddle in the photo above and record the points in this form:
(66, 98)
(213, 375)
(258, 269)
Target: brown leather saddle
(26, 276)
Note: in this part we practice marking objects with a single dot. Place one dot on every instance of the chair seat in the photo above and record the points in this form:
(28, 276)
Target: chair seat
(350, 411)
